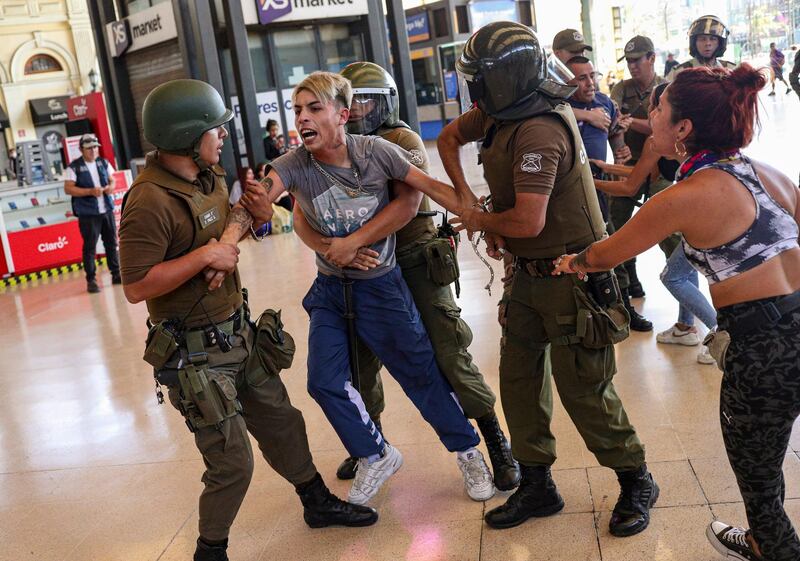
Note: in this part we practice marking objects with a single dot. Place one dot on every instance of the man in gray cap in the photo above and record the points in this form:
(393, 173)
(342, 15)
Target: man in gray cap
(570, 43)
(633, 97)
(89, 180)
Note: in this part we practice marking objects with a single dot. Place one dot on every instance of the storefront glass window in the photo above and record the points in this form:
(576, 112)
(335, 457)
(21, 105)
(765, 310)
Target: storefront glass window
(426, 81)
(340, 46)
(259, 57)
(448, 55)
(297, 55)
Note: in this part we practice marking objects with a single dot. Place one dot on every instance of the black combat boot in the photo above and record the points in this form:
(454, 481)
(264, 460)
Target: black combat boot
(322, 508)
(638, 322)
(347, 469)
(504, 466)
(634, 285)
(206, 552)
(536, 496)
(638, 493)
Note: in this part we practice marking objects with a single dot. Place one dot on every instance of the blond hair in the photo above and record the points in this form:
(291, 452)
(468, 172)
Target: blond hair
(327, 87)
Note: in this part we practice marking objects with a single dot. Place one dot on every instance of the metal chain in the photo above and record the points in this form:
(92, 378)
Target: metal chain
(476, 239)
(352, 193)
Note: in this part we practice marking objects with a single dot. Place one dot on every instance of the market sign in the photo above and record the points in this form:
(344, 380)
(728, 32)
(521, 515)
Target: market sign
(268, 11)
(142, 29)
(418, 28)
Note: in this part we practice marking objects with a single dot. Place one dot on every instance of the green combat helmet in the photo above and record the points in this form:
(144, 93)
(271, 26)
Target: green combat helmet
(375, 99)
(176, 114)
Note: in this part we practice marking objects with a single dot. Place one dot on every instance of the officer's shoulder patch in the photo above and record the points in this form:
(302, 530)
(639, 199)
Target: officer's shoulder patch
(531, 163)
(416, 157)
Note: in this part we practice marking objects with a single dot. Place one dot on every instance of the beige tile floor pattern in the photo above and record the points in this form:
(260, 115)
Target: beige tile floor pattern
(92, 469)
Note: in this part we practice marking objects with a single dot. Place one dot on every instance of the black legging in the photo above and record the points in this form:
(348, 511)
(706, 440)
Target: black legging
(759, 402)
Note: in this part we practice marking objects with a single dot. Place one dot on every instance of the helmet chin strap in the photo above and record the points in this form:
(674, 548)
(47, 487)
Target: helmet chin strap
(199, 162)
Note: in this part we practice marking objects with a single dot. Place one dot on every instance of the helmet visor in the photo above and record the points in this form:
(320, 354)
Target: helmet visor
(470, 90)
(368, 111)
(558, 76)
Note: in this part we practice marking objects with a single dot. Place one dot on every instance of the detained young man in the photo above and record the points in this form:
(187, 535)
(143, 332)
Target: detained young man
(342, 184)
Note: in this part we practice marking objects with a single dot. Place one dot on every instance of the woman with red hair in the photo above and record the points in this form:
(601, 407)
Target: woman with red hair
(739, 220)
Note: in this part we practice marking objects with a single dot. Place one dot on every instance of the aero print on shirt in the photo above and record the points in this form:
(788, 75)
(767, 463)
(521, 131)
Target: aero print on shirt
(339, 214)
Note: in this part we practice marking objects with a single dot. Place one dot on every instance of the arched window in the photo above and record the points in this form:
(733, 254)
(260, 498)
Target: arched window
(41, 63)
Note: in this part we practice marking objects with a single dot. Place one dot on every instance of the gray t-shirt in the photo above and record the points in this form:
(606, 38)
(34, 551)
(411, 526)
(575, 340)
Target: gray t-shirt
(331, 210)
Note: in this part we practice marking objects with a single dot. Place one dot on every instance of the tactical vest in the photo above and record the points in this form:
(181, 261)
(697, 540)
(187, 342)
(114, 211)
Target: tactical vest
(209, 216)
(419, 228)
(573, 219)
(87, 206)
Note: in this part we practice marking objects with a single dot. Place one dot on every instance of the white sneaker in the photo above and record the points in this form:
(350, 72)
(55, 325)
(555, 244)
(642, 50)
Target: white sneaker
(478, 481)
(730, 542)
(370, 476)
(704, 357)
(677, 336)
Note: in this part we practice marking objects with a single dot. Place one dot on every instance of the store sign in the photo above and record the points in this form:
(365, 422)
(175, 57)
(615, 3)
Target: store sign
(269, 11)
(35, 249)
(142, 29)
(418, 28)
(268, 108)
(488, 11)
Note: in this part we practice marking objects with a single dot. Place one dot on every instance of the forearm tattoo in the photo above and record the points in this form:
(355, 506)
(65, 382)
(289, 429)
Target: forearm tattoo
(239, 217)
(581, 261)
(267, 183)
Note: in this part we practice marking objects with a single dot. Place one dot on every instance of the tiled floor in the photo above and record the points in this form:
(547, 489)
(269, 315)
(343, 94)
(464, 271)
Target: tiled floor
(92, 469)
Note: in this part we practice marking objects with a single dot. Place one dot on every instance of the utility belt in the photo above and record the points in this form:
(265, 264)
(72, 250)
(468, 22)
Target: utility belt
(537, 268)
(600, 316)
(180, 359)
(760, 315)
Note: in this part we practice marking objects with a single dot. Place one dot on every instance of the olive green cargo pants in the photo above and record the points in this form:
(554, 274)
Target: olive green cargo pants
(266, 413)
(450, 337)
(537, 347)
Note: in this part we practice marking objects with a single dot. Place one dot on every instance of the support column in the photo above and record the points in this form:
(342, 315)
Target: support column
(197, 37)
(401, 54)
(116, 86)
(245, 81)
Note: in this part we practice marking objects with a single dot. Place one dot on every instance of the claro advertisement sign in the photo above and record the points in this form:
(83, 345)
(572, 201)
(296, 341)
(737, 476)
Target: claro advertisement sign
(36, 249)
(268, 11)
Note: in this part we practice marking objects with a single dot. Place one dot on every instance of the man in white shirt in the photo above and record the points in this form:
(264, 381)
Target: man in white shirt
(90, 181)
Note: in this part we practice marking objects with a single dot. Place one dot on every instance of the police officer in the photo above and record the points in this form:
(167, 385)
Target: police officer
(633, 97)
(202, 344)
(543, 199)
(794, 74)
(376, 111)
(90, 181)
(708, 39)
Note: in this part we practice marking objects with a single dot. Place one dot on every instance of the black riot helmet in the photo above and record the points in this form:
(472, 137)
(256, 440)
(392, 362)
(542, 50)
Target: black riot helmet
(504, 69)
(708, 25)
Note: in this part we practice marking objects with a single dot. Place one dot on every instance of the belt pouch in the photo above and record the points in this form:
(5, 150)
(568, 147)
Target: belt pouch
(273, 350)
(442, 262)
